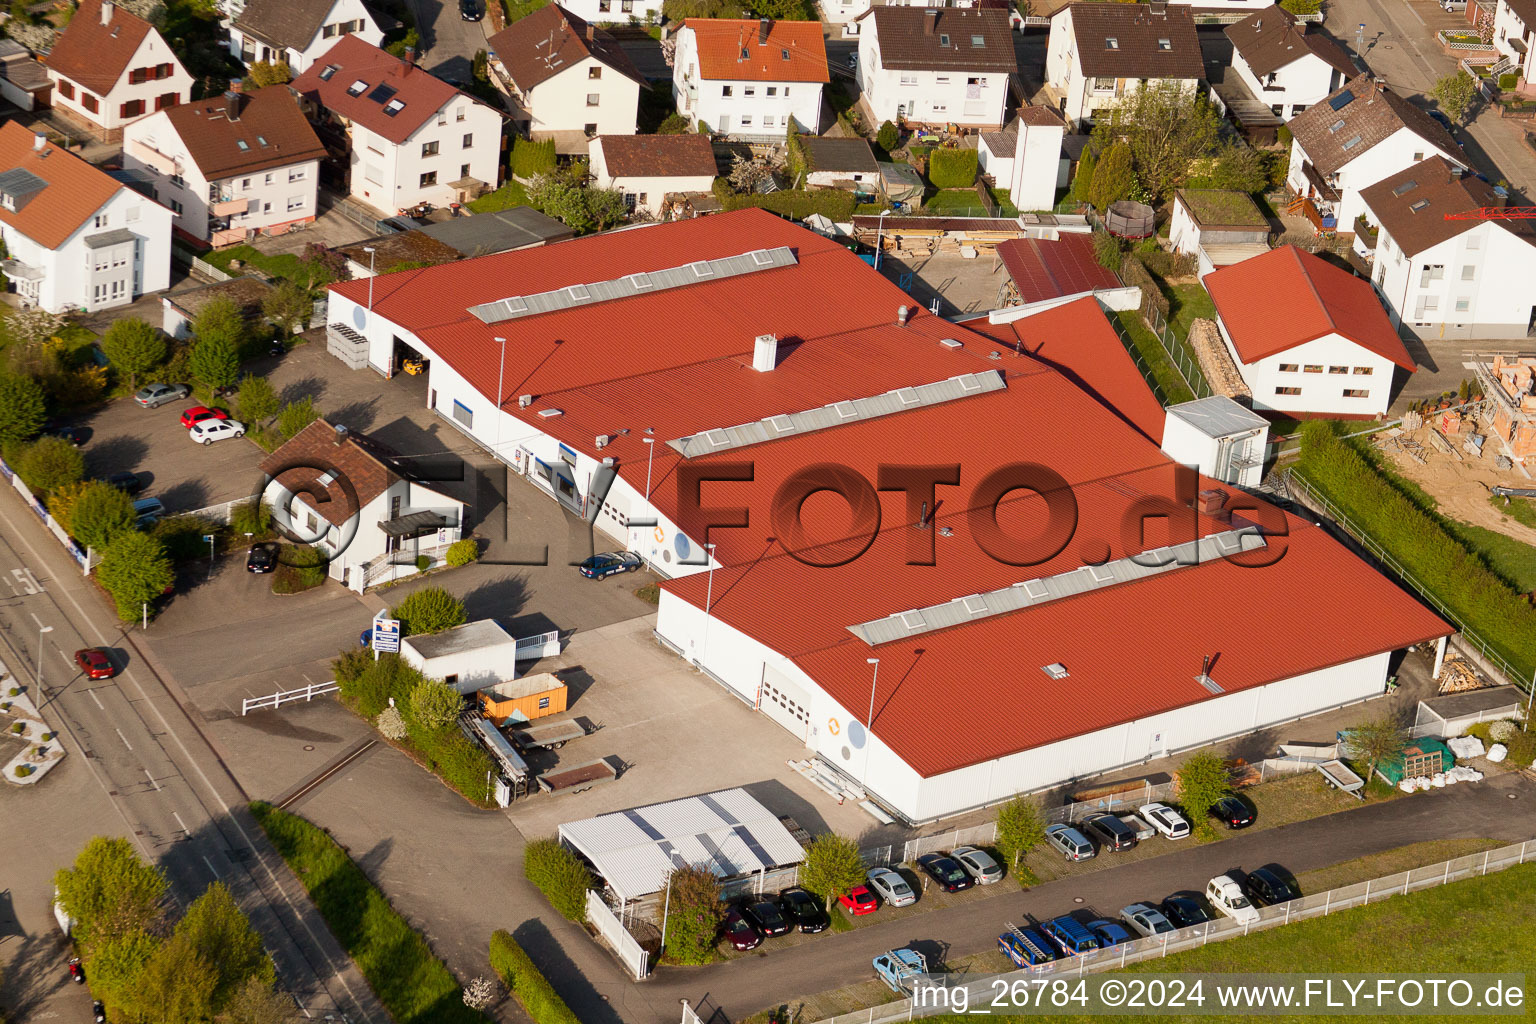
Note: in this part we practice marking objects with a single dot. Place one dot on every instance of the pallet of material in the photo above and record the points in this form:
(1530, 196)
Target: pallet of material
(1456, 676)
(577, 778)
(1442, 444)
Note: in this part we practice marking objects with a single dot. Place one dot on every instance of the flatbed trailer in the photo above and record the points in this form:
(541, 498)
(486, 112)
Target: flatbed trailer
(550, 735)
(577, 777)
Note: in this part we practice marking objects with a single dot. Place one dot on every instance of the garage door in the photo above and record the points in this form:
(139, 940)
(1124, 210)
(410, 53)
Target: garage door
(785, 702)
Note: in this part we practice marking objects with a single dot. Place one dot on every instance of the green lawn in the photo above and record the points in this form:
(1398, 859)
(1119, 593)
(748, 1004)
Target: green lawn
(1521, 510)
(509, 195)
(1004, 204)
(957, 201)
(1151, 351)
(411, 982)
(284, 265)
(1189, 302)
(521, 8)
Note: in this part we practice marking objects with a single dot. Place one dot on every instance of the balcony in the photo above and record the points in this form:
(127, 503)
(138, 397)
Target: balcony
(152, 157)
(1365, 233)
(226, 236)
(225, 207)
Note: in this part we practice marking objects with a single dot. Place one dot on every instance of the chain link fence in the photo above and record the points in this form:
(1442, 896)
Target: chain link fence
(1181, 355)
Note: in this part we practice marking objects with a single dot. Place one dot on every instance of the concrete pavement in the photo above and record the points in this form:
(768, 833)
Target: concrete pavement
(448, 42)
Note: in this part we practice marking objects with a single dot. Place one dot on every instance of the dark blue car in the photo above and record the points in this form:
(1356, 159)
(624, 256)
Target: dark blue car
(609, 563)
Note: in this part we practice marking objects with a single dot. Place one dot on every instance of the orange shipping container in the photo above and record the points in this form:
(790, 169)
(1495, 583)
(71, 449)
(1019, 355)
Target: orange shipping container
(524, 699)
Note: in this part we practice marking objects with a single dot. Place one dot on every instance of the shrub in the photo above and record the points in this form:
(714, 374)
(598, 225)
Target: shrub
(49, 463)
(423, 563)
(560, 875)
(462, 552)
(1203, 779)
(367, 684)
(673, 124)
(295, 416)
(23, 770)
(832, 866)
(255, 402)
(1508, 82)
(135, 570)
(834, 204)
(952, 168)
(693, 911)
(888, 138)
(183, 536)
(14, 691)
(22, 408)
(532, 158)
(1106, 250)
(428, 610)
(1501, 732)
(434, 704)
(300, 567)
(1166, 264)
(391, 724)
(18, 727)
(531, 988)
(253, 517)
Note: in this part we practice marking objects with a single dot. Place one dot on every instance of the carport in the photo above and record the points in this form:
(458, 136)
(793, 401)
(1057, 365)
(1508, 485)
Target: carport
(728, 832)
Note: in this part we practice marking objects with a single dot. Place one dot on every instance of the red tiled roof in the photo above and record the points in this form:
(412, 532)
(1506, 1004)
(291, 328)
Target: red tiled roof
(267, 121)
(358, 471)
(73, 189)
(358, 61)
(793, 52)
(96, 55)
(1077, 340)
(1287, 297)
(1045, 269)
(539, 46)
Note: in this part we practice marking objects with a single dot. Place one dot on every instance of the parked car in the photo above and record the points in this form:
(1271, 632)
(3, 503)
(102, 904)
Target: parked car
(471, 10)
(1070, 936)
(859, 901)
(76, 436)
(263, 558)
(365, 638)
(1146, 919)
(978, 864)
(1072, 843)
(99, 1012)
(129, 483)
(1438, 117)
(950, 876)
(803, 911)
(891, 887)
(740, 932)
(1232, 812)
(151, 396)
(1228, 898)
(1268, 886)
(1166, 820)
(1109, 933)
(197, 413)
(609, 563)
(147, 511)
(93, 661)
(1026, 947)
(209, 431)
(764, 915)
(1186, 909)
(1113, 833)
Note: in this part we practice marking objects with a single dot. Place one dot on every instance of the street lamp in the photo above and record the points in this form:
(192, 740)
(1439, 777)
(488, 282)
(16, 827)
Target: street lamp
(650, 451)
(41, 629)
(879, 235)
(369, 250)
(709, 593)
(500, 372)
(869, 722)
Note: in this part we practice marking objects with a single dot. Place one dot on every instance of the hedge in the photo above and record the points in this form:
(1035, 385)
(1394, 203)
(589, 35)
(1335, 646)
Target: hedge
(533, 990)
(1457, 577)
(413, 984)
(560, 875)
(952, 168)
(834, 204)
(531, 158)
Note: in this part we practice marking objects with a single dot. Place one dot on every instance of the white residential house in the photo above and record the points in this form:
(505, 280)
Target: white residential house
(1359, 135)
(847, 164)
(1286, 67)
(1026, 158)
(231, 167)
(1514, 36)
(569, 80)
(110, 67)
(407, 136)
(1308, 338)
(1100, 53)
(1465, 278)
(615, 12)
(298, 32)
(75, 239)
(376, 519)
(937, 66)
(648, 168)
(1219, 227)
(748, 79)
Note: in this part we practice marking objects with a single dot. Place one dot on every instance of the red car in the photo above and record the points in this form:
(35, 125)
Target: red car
(93, 661)
(859, 901)
(195, 415)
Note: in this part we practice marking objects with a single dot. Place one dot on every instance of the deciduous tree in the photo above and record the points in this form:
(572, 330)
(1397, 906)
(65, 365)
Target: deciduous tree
(265, 73)
(22, 408)
(692, 912)
(134, 347)
(218, 931)
(257, 1002)
(1203, 779)
(215, 362)
(135, 570)
(256, 401)
(110, 891)
(1020, 828)
(1377, 742)
(221, 320)
(295, 416)
(288, 305)
(832, 866)
(50, 462)
(428, 610)
(1167, 130)
(435, 705)
(1455, 94)
(99, 513)
(1113, 177)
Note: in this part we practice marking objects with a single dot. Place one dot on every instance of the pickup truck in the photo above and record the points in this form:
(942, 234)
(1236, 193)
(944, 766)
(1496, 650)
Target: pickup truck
(900, 969)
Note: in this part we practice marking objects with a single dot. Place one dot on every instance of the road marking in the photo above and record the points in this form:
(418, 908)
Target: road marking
(123, 738)
(181, 823)
(151, 779)
(67, 659)
(211, 867)
(97, 699)
(21, 577)
(34, 614)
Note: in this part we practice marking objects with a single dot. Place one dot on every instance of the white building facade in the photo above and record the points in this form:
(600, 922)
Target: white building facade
(1285, 67)
(1100, 54)
(111, 68)
(751, 99)
(936, 66)
(645, 190)
(1514, 36)
(265, 31)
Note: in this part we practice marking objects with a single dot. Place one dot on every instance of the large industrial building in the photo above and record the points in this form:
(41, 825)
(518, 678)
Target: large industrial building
(949, 560)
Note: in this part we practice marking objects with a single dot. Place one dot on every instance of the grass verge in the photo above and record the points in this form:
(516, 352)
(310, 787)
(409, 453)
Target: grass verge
(413, 984)
(283, 265)
(1151, 351)
(1390, 862)
(1189, 302)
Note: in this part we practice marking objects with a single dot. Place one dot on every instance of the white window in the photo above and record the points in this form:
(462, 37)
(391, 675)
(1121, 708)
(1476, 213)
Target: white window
(175, 206)
(101, 220)
(593, 98)
(373, 174)
(940, 108)
(295, 203)
(1469, 272)
(245, 184)
(1462, 305)
(773, 90)
(267, 179)
(746, 120)
(908, 79)
(296, 174)
(942, 80)
(1431, 272)
(132, 216)
(1474, 242)
(749, 91)
(460, 114)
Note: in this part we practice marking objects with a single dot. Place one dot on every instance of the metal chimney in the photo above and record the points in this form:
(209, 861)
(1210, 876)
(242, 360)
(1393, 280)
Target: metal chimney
(903, 314)
(765, 352)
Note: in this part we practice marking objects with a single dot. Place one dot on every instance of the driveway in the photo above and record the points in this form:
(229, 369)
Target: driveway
(448, 42)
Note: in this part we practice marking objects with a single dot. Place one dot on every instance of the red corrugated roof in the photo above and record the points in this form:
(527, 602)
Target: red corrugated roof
(1287, 298)
(1043, 268)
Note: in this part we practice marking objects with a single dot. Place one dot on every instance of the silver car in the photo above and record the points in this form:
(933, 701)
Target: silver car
(152, 395)
(891, 887)
(978, 864)
(1146, 920)
(1072, 843)
(1166, 820)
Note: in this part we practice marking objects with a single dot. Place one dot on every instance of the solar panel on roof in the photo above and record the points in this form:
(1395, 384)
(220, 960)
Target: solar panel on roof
(1342, 100)
(382, 93)
(1351, 143)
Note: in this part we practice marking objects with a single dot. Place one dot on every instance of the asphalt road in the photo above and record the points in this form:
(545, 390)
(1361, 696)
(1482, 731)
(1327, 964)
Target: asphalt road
(448, 41)
(172, 795)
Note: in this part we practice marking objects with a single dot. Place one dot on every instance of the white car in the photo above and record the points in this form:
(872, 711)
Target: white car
(893, 889)
(209, 431)
(1166, 820)
(1227, 897)
(1146, 920)
(978, 864)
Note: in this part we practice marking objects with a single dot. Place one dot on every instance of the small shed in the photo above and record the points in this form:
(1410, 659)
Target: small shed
(468, 657)
(901, 182)
(179, 309)
(523, 700)
(1451, 715)
(1220, 438)
(840, 163)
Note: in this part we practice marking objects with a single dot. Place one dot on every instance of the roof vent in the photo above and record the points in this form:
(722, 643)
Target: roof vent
(601, 441)
(994, 355)
(763, 27)
(903, 314)
(947, 342)
(524, 401)
(765, 352)
(106, 12)
(38, 142)
(341, 433)
(1056, 670)
(550, 414)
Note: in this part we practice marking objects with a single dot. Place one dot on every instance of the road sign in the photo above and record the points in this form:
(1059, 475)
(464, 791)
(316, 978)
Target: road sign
(207, 538)
(386, 635)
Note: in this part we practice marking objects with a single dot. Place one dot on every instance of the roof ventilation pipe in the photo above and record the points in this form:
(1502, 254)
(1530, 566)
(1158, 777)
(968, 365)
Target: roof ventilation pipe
(903, 314)
(38, 142)
(765, 352)
(524, 401)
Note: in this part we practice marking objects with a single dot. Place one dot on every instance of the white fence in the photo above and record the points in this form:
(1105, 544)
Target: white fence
(617, 936)
(277, 700)
(1319, 905)
(1427, 723)
(219, 513)
(85, 558)
(532, 648)
(210, 271)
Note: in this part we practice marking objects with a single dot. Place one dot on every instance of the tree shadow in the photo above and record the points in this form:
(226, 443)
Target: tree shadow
(185, 496)
(305, 387)
(34, 972)
(501, 598)
(372, 861)
(115, 454)
(355, 415)
(545, 951)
